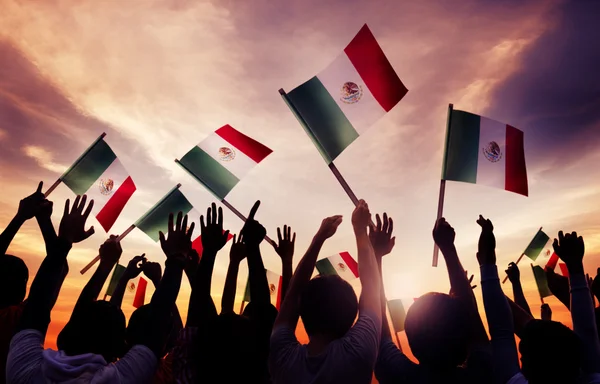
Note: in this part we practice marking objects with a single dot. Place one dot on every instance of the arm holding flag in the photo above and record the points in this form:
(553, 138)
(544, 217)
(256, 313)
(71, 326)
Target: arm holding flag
(254, 233)
(132, 271)
(514, 275)
(236, 255)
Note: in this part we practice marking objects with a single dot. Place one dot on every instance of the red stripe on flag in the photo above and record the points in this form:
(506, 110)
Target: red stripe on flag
(113, 207)
(374, 68)
(563, 269)
(350, 262)
(516, 171)
(251, 148)
(551, 264)
(278, 302)
(140, 293)
(197, 244)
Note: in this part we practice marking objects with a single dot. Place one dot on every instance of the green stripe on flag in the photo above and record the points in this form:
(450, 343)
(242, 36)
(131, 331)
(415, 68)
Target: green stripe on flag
(398, 314)
(114, 280)
(157, 218)
(329, 128)
(91, 166)
(541, 281)
(325, 268)
(209, 172)
(537, 245)
(463, 148)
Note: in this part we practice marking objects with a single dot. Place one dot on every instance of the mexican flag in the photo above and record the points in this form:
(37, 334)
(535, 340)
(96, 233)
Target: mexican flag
(349, 96)
(541, 245)
(114, 279)
(274, 281)
(397, 313)
(157, 218)
(140, 293)
(540, 279)
(341, 264)
(483, 151)
(222, 159)
(99, 174)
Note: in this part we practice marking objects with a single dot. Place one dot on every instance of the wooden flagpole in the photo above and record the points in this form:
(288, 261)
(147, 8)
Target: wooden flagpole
(440, 210)
(60, 179)
(522, 254)
(223, 201)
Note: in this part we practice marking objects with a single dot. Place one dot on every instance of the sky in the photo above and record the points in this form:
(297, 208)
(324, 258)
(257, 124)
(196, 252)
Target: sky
(158, 76)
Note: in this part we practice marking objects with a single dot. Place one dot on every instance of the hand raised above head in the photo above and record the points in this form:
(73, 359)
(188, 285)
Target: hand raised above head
(72, 226)
(285, 244)
(381, 235)
(135, 266)
(178, 243)
(487, 242)
(152, 270)
(254, 233)
(110, 251)
(213, 236)
(443, 234)
(329, 226)
(361, 217)
(237, 253)
(33, 205)
(570, 248)
(514, 275)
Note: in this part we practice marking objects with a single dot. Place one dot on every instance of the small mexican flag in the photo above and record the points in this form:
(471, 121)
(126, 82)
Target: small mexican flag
(542, 283)
(99, 174)
(341, 264)
(483, 151)
(274, 281)
(114, 279)
(140, 293)
(349, 96)
(541, 245)
(397, 313)
(222, 159)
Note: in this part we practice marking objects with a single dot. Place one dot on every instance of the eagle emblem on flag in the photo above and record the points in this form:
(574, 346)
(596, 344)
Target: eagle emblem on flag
(106, 186)
(226, 154)
(342, 266)
(272, 288)
(131, 286)
(351, 92)
(492, 152)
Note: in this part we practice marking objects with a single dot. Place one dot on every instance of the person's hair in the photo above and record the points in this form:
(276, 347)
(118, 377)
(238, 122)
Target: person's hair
(13, 280)
(328, 306)
(97, 327)
(138, 328)
(437, 328)
(541, 339)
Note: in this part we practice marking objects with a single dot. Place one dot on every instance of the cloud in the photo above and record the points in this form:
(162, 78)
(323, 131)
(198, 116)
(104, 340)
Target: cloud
(44, 158)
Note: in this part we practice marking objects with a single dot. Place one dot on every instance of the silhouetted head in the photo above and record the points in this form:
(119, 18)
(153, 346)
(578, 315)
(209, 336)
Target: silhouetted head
(437, 328)
(138, 328)
(97, 327)
(543, 342)
(328, 307)
(13, 280)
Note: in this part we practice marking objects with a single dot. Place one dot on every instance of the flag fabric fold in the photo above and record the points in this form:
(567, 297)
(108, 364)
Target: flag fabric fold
(540, 279)
(221, 160)
(541, 245)
(140, 293)
(483, 151)
(114, 279)
(274, 280)
(349, 96)
(341, 264)
(99, 174)
(397, 314)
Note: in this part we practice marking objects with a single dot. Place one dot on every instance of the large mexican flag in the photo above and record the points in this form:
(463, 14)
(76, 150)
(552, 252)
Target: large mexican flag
(483, 151)
(99, 174)
(223, 158)
(341, 264)
(347, 97)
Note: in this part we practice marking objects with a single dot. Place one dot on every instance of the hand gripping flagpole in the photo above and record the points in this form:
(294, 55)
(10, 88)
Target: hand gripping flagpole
(131, 228)
(440, 210)
(520, 257)
(60, 179)
(223, 201)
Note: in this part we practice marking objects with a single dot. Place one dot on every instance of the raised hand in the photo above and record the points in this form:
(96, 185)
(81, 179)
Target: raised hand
(487, 242)
(33, 205)
(237, 253)
(178, 243)
(514, 275)
(546, 312)
(471, 280)
(253, 232)
(286, 243)
(596, 285)
(213, 237)
(329, 226)
(570, 249)
(361, 217)
(72, 226)
(135, 266)
(153, 271)
(110, 251)
(443, 234)
(381, 236)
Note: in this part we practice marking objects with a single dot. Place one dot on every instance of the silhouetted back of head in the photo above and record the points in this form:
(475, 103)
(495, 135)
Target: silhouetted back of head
(13, 280)
(139, 326)
(544, 341)
(97, 327)
(328, 307)
(437, 328)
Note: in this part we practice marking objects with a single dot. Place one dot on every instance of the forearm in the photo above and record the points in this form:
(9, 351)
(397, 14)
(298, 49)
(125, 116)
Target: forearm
(202, 307)
(519, 297)
(259, 285)
(9, 233)
(229, 290)
(92, 289)
(116, 298)
(286, 277)
(459, 282)
(386, 333)
(168, 289)
(370, 298)
(584, 325)
(47, 230)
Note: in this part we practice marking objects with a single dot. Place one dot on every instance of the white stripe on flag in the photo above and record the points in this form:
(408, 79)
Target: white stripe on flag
(106, 185)
(239, 164)
(491, 170)
(341, 268)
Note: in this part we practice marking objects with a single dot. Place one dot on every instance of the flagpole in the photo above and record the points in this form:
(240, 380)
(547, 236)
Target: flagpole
(60, 179)
(223, 201)
(440, 210)
(97, 258)
(522, 254)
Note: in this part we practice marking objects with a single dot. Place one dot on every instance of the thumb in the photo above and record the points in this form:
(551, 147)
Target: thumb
(89, 233)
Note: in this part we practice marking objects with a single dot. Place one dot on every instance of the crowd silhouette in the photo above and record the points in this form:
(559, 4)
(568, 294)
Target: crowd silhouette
(349, 337)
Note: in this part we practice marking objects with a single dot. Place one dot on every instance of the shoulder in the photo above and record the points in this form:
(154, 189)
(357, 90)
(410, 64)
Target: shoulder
(517, 379)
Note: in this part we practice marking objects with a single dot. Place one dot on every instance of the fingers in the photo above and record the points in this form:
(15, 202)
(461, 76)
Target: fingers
(39, 188)
(66, 211)
(226, 235)
(178, 221)
(234, 238)
(378, 222)
(191, 230)
(202, 225)
(220, 217)
(89, 233)
(170, 225)
(386, 223)
(253, 210)
(561, 237)
(241, 238)
(161, 238)
(209, 216)
(279, 238)
(76, 203)
(214, 214)
(294, 238)
(390, 226)
(555, 245)
(87, 212)
(81, 204)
